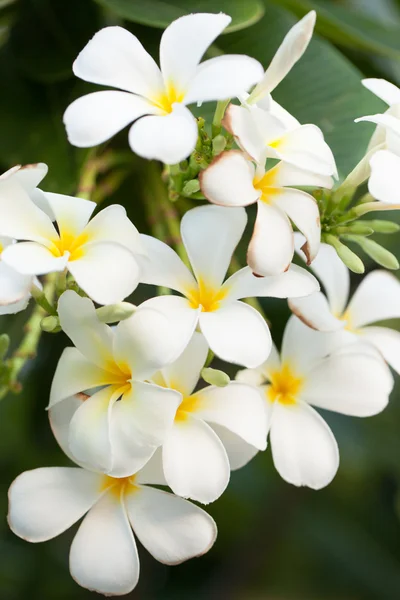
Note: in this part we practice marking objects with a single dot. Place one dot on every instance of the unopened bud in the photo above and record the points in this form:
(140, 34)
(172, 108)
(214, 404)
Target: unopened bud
(218, 144)
(380, 226)
(215, 377)
(115, 312)
(4, 345)
(350, 258)
(377, 252)
(50, 324)
(191, 187)
(355, 228)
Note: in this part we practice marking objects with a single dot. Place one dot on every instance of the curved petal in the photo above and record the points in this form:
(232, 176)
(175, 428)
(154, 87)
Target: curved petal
(103, 555)
(71, 213)
(228, 180)
(387, 341)
(304, 448)
(183, 44)
(377, 298)
(14, 286)
(315, 312)
(239, 452)
(223, 77)
(170, 528)
(250, 125)
(386, 91)
(31, 258)
(113, 225)
(29, 176)
(293, 283)
(60, 416)
(45, 502)
(384, 181)
(184, 373)
(74, 374)
(14, 307)
(95, 118)
(285, 174)
(169, 138)
(79, 321)
(162, 266)
(115, 57)
(195, 463)
(352, 384)
(237, 333)
(210, 235)
(238, 407)
(271, 248)
(152, 473)
(332, 272)
(258, 376)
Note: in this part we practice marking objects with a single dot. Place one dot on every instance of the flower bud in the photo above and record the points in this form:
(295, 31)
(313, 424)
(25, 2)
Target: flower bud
(380, 226)
(115, 312)
(50, 324)
(218, 144)
(350, 259)
(375, 251)
(215, 377)
(191, 187)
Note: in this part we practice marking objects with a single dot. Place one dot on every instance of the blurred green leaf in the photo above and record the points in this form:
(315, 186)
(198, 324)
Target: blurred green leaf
(323, 88)
(159, 13)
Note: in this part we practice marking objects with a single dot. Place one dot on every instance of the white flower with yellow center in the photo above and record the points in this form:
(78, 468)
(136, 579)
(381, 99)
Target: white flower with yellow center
(351, 380)
(233, 180)
(215, 430)
(117, 428)
(100, 254)
(377, 298)
(155, 98)
(235, 331)
(43, 503)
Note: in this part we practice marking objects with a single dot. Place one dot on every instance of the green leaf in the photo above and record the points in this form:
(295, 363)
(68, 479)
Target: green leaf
(350, 28)
(323, 88)
(160, 13)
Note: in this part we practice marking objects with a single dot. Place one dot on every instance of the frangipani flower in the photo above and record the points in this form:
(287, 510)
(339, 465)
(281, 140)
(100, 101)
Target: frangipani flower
(232, 180)
(117, 429)
(351, 380)
(43, 503)
(234, 331)
(155, 98)
(385, 134)
(384, 181)
(377, 298)
(215, 429)
(100, 254)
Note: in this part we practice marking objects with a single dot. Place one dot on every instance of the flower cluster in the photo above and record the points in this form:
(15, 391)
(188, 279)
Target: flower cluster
(128, 403)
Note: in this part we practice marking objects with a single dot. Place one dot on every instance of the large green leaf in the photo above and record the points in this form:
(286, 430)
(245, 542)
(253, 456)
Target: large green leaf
(160, 13)
(323, 88)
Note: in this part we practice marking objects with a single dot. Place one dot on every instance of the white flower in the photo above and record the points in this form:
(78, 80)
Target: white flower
(387, 134)
(100, 254)
(384, 181)
(351, 380)
(377, 298)
(166, 129)
(45, 502)
(215, 429)
(232, 180)
(235, 331)
(117, 429)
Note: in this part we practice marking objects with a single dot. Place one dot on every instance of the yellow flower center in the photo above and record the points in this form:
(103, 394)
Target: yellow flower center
(1, 247)
(68, 242)
(267, 184)
(168, 98)
(118, 485)
(206, 296)
(346, 316)
(285, 386)
(187, 406)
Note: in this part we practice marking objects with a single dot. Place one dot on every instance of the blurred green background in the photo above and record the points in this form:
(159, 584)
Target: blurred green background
(276, 542)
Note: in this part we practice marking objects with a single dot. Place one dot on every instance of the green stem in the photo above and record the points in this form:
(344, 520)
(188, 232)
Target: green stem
(218, 116)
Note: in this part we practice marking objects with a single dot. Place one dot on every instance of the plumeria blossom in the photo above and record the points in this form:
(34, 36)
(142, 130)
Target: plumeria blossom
(215, 429)
(43, 503)
(117, 428)
(233, 180)
(377, 298)
(352, 380)
(154, 98)
(384, 181)
(100, 254)
(234, 331)
(385, 134)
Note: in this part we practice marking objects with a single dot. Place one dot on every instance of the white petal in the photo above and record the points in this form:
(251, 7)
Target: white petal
(162, 266)
(95, 118)
(258, 376)
(332, 272)
(183, 44)
(210, 235)
(71, 213)
(75, 374)
(315, 312)
(286, 174)
(238, 407)
(250, 125)
(352, 384)
(223, 77)
(170, 528)
(29, 176)
(289, 52)
(377, 298)
(184, 373)
(304, 449)
(152, 473)
(14, 307)
(14, 287)
(195, 463)
(45, 502)
(384, 181)
(387, 341)
(169, 138)
(385, 90)
(31, 258)
(79, 321)
(115, 57)
(60, 416)
(239, 452)
(113, 225)
(103, 555)
(292, 283)
(228, 180)
(237, 333)
(271, 247)
(279, 112)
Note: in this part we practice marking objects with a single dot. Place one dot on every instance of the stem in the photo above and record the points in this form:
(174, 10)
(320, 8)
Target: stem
(218, 116)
